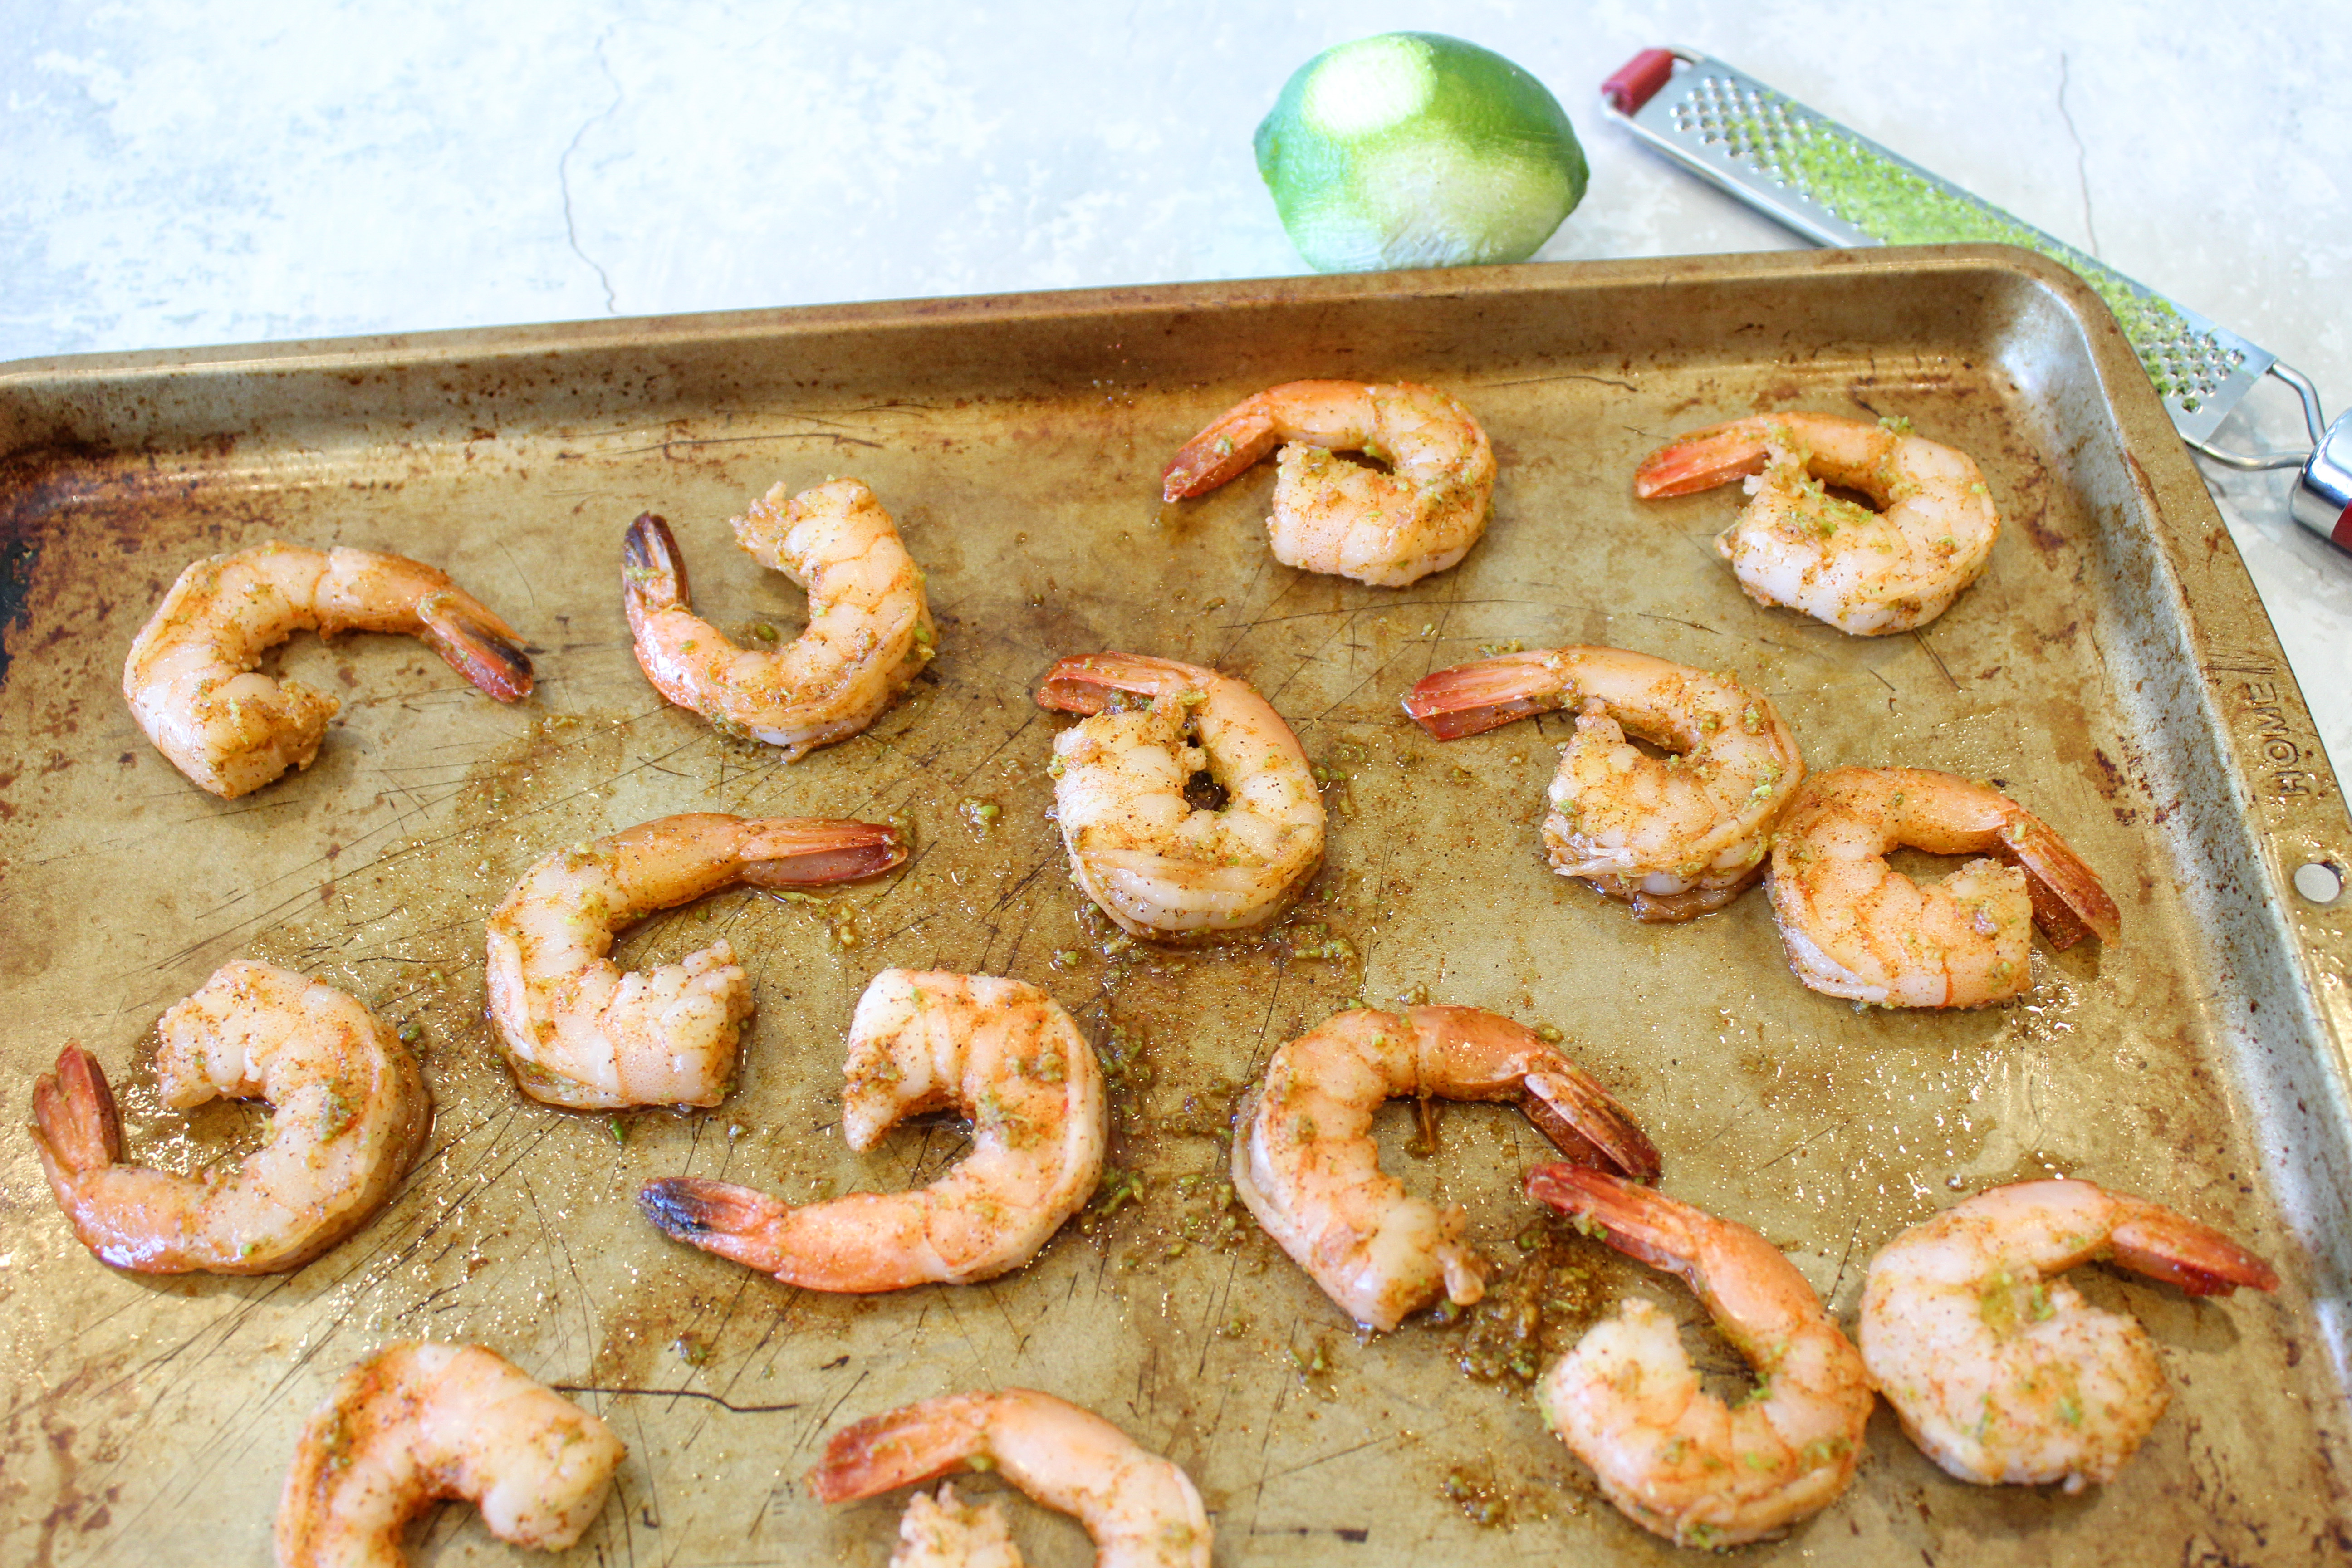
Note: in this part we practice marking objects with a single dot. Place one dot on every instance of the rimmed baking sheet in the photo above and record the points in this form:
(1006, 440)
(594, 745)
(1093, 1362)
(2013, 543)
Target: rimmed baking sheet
(2113, 667)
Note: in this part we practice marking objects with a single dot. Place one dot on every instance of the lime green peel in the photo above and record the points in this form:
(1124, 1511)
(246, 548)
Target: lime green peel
(1417, 150)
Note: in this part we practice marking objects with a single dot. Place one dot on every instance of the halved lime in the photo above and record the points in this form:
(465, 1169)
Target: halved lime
(1417, 150)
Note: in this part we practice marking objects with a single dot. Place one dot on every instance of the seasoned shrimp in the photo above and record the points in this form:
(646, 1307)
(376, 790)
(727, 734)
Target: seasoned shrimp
(1141, 1510)
(1674, 837)
(580, 1033)
(1190, 816)
(417, 1422)
(1305, 1164)
(351, 1115)
(1865, 571)
(1854, 926)
(191, 678)
(2001, 1374)
(1006, 1055)
(1334, 516)
(869, 624)
(1672, 1456)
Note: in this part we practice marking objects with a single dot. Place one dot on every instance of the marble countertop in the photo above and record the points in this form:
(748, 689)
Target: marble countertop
(201, 172)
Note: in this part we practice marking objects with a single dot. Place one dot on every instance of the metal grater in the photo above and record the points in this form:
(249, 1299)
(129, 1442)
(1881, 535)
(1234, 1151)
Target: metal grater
(1838, 188)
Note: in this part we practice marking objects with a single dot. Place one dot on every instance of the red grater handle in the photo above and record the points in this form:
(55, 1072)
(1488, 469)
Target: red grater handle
(1638, 79)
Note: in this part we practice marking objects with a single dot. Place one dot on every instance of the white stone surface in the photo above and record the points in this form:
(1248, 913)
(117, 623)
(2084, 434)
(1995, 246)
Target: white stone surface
(201, 172)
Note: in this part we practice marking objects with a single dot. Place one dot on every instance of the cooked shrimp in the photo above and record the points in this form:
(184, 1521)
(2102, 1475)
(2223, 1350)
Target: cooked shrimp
(1854, 926)
(948, 1532)
(1141, 1510)
(869, 626)
(191, 678)
(1002, 1052)
(1865, 571)
(418, 1421)
(351, 1115)
(580, 1033)
(1675, 836)
(1190, 816)
(1331, 515)
(2001, 1374)
(1672, 1456)
(1305, 1164)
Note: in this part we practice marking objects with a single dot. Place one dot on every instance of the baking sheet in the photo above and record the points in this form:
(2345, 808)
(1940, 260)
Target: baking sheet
(2113, 668)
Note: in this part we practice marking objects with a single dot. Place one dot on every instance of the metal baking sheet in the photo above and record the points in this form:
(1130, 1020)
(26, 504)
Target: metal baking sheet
(2113, 667)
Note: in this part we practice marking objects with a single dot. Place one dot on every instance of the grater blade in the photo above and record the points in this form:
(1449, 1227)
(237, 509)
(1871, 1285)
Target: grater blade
(1838, 188)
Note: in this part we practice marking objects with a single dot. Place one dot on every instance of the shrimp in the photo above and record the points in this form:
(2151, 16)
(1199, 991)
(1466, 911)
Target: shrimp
(1307, 1166)
(1863, 571)
(1187, 818)
(1675, 838)
(1003, 1053)
(351, 1115)
(580, 1033)
(417, 1422)
(869, 624)
(2000, 1374)
(1672, 1456)
(1854, 926)
(191, 678)
(1142, 1511)
(1338, 517)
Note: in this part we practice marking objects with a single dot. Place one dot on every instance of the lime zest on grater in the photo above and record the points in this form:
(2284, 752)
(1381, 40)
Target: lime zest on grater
(1838, 188)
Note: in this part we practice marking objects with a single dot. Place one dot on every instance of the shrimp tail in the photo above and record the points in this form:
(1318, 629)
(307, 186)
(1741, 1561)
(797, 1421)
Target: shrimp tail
(1083, 684)
(652, 571)
(1636, 1220)
(1222, 452)
(1704, 459)
(475, 643)
(2069, 903)
(737, 1223)
(898, 1447)
(1486, 694)
(803, 852)
(1589, 1127)
(77, 1124)
(2153, 1240)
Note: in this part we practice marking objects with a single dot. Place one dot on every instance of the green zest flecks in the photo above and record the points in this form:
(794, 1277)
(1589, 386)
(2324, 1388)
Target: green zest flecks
(1117, 1188)
(1897, 205)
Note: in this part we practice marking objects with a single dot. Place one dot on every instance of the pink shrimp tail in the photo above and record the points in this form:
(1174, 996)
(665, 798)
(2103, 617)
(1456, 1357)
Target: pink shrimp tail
(653, 571)
(897, 1448)
(1238, 438)
(2069, 902)
(827, 1245)
(1487, 693)
(475, 643)
(74, 1115)
(1566, 1105)
(1638, 1221)
(798, 852)
(2155, 1241)
(1704, 459)
(717, 1216)
(1589, 1127)
(1083, 684)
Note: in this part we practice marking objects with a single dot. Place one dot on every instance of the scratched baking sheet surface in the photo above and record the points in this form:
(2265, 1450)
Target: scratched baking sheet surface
(1019, 443)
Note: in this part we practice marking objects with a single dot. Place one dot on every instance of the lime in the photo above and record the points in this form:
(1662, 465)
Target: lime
(1417, 150)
